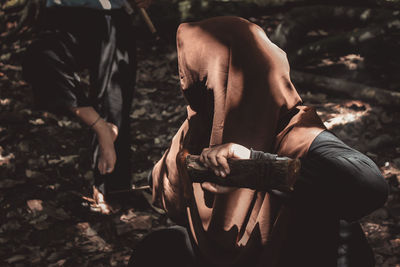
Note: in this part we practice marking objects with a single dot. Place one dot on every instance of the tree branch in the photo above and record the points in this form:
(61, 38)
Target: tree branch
(355, 90)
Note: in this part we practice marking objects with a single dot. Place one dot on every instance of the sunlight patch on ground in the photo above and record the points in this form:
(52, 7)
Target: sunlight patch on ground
(350, 61)
(319, 32)
(5, 102)
(391, 170)
(333, 114)
(5, 159)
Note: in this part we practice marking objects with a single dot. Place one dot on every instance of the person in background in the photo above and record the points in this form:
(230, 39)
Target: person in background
(96, 35)
(242, 104)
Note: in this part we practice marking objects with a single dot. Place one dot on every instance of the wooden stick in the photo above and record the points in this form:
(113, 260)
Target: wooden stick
(129, 9)
(133, 189)
(148, 21)
(257, 174)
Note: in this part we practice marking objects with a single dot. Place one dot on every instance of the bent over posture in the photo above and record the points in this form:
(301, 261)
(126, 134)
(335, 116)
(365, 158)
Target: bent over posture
(237, 85)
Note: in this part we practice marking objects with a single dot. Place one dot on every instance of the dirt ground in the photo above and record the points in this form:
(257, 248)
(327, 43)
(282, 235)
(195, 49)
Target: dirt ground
(45, 169)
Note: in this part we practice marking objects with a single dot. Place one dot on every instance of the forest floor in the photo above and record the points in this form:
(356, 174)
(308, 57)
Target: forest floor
(45, 169)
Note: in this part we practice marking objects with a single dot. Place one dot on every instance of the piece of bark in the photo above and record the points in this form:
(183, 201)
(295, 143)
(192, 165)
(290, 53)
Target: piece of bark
(355, 90)
(258, 174)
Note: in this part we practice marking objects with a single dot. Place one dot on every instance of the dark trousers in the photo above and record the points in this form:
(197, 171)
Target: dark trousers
(103, 42)
(166, 247)
(338, 185)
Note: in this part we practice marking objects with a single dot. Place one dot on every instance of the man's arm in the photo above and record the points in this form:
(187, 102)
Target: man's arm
(333, 176)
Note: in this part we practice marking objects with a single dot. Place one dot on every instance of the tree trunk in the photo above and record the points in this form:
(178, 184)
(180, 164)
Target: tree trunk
(355, 90)
(301, 20)
(350, 42)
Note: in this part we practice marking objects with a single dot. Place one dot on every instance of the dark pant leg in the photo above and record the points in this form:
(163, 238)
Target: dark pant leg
(70, 41)
(354, 249)
(342, 179)
(114, 80)
(346, 185)
(337, 186)
(50, 66)
(166, 247)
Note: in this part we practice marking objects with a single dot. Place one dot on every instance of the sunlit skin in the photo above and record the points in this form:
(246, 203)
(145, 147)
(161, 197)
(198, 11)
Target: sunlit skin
(106, 134)
(216, 159)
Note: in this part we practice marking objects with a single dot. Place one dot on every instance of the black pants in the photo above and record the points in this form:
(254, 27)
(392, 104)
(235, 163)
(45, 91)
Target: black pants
(338, 185)
(103, 42)
(167, 247)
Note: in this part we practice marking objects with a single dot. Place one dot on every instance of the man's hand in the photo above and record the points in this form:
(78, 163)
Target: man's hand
(216, 159)
(143, 3)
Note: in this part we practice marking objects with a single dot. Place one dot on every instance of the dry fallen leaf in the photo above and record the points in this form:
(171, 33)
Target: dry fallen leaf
(15, 259)
(5, 160)
(35, 204)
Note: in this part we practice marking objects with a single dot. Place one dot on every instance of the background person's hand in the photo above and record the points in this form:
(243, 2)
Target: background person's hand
(106, 135)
